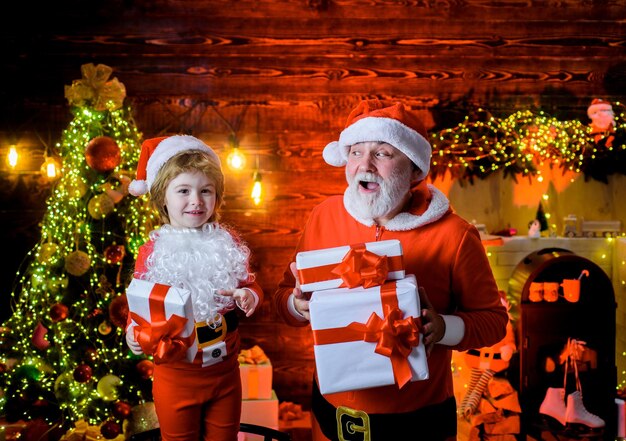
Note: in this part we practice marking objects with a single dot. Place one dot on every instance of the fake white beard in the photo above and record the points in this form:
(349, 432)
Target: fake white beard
(373, 206)
(201, 261)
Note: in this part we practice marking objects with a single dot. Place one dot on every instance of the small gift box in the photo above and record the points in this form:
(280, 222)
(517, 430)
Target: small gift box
(256, 374)
(261, 413)
(368, 337)
(366, 264)
(162, 317)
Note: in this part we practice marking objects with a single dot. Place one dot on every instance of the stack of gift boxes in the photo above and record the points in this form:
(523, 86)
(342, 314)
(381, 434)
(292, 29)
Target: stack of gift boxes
(364, 316)
(259, 404)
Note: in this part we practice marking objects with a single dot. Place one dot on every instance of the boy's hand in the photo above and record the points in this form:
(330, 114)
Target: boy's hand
(243, 298)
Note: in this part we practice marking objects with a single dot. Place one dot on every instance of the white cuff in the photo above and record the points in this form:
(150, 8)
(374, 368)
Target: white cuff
(291, 306)
(455, 330)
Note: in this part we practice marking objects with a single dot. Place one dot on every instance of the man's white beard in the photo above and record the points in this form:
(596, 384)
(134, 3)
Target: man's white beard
(376, 205)
(201, 261)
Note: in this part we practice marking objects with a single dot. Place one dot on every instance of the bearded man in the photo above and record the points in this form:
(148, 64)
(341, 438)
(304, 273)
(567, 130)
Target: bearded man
(386, 155)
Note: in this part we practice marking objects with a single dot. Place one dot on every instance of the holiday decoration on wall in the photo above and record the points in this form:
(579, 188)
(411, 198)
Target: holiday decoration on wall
(69, 312)
(526, 141)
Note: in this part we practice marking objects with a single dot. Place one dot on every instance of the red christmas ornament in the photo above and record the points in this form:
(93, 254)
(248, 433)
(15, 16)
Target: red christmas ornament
(145, 369)
(121, 410)
(114, 253)
(58, 312)
(118, 311)
(103, 154)
(39, 337)
(83, 373)
(110, 429)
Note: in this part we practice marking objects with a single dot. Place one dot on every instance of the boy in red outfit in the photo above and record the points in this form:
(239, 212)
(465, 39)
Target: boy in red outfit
(386, 155)
(199, 400)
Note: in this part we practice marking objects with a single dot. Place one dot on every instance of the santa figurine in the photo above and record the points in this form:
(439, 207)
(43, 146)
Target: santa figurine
(602, 120)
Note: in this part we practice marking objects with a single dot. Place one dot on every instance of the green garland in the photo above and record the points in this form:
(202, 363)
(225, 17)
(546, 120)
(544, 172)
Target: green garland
(519, 144)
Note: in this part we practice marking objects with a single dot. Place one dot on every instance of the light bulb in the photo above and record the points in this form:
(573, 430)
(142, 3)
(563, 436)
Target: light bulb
(257, 189)
(12, 157)
(235, 159)
(50, 168)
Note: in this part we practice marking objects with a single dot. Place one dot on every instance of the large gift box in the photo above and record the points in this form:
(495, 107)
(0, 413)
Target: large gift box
(366, 264)
(261, 413)
(256, 374)
(368, 337)
(162, 318)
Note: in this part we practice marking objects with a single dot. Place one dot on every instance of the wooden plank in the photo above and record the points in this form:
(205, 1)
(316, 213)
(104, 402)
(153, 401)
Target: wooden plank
(382, 9)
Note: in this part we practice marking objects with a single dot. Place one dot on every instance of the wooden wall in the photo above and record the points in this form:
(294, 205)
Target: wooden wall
(285, 74)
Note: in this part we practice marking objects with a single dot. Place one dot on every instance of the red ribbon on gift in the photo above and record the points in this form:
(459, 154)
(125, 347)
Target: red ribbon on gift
(358, 267)
(395, 336)
(161, 337)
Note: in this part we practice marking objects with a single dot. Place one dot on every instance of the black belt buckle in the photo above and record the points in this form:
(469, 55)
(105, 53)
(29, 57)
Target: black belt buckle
(352, 425)
(210, 333)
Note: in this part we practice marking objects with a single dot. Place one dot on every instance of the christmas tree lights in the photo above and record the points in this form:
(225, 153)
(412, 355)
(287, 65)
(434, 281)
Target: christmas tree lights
(63, 353)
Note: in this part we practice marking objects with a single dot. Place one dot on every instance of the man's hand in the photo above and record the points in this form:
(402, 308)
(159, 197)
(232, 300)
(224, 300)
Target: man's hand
(301, 302)
(433, 325)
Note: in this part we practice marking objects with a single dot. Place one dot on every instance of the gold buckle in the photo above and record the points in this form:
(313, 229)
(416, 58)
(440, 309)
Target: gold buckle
(208, 334)
(353, 421)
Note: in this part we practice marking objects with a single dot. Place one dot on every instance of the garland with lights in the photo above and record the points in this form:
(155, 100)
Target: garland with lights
(63, 353)
(518, 144)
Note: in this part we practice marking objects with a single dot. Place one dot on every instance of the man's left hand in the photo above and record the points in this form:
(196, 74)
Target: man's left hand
(433, 325)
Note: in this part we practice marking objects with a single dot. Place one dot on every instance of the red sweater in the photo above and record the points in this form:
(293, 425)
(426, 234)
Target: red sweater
(448, 260)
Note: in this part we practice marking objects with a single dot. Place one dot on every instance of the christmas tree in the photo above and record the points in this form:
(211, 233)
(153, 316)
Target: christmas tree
(63, 352)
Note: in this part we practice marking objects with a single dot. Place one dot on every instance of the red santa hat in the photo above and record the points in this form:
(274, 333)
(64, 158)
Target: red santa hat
(157, 151)
(394, 124)
(597, 105)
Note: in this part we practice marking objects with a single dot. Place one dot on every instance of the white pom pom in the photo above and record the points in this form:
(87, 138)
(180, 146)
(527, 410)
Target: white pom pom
(332, 154)
(138, 188)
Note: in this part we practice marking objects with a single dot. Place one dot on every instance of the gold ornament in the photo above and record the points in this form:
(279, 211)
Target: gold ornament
(77, 263)
(107, 387)
(100, 206)
(77, 188)
(46, 251)
(104, 328)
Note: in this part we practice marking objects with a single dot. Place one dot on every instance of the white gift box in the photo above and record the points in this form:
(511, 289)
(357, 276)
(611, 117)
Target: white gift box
(154, 302)
(353, 364)
(256, 381)
(261, 413)
(315, 268)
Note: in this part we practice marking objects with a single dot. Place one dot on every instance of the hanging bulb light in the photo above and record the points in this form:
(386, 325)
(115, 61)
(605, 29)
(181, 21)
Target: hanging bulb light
(236, 160)
(51, 168)
(257, 188)
(12, 156)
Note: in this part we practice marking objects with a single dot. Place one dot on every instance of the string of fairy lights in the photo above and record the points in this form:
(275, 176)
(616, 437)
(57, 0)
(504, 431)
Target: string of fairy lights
(519, 144)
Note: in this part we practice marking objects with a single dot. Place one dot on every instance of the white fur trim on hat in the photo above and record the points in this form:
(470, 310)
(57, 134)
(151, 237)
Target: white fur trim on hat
(168, 148)
(377, 129)
(138, 187)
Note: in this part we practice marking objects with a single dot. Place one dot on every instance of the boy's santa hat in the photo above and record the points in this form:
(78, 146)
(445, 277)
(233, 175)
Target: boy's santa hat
(597, 105)
(394, 124)
(157, 151)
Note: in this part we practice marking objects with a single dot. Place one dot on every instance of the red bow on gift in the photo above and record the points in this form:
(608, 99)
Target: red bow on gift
(395, 338)
(162, 338)
(360, 267)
